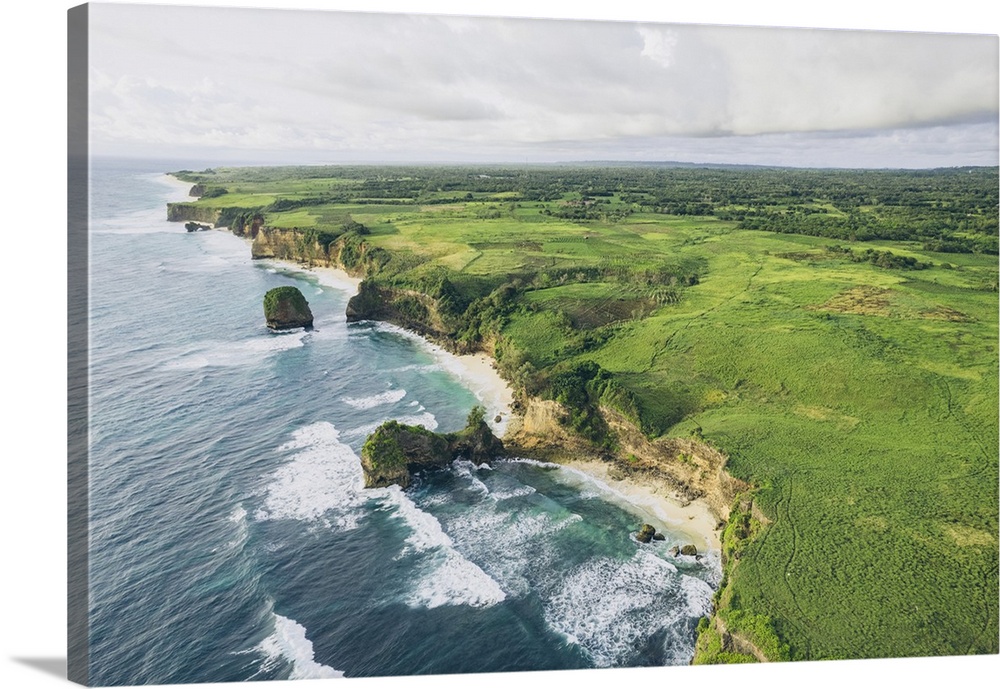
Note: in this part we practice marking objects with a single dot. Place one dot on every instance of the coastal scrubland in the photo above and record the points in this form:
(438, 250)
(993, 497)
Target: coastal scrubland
(832, 332)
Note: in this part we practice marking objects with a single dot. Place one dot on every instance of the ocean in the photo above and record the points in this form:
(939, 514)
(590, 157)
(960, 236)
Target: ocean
(231, 538)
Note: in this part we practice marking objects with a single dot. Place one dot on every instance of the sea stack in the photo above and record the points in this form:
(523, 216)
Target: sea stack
(285, 308)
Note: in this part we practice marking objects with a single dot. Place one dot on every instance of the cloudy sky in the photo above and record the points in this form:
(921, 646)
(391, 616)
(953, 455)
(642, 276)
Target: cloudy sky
(275, 86)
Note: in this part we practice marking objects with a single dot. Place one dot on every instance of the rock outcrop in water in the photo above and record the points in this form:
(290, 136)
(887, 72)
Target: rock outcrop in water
(285, 307)
(648, 533)
(393, 450)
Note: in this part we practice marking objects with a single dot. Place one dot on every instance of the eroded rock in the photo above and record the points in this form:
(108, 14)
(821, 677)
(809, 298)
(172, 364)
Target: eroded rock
(285, 308)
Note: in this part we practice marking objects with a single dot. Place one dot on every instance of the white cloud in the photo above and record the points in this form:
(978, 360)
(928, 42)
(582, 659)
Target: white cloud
(658, 44)
(398, 86)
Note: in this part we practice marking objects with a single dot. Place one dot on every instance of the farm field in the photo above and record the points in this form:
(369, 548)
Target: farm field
(835, 333)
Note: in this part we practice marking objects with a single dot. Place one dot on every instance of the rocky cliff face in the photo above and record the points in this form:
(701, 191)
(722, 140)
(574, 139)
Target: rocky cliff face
(405, 308)
(691, 468)
(181, 212)
(248, 227)
(289, 245)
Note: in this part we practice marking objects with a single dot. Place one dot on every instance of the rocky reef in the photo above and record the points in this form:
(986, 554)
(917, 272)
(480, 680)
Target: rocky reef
(285, 307)
(393, 450)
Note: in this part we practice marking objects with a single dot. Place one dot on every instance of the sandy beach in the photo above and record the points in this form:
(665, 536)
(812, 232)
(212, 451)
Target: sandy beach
(477, 373)
(657, 502)
(183, 188)
(332, 277)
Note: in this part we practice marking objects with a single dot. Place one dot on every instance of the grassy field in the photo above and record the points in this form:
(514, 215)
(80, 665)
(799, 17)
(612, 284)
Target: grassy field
(860, 398)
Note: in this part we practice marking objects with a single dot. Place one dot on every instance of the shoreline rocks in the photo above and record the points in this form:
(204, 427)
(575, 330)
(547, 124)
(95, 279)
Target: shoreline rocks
(649, 533)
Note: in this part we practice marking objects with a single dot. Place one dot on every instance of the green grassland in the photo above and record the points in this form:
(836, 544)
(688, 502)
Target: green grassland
(859, 396)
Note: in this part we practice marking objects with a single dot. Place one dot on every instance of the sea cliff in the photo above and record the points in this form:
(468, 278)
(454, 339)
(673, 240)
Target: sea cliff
(291, 245)
(183, 211)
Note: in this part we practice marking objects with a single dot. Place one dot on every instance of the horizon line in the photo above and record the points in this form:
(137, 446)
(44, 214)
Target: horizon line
(512, 163)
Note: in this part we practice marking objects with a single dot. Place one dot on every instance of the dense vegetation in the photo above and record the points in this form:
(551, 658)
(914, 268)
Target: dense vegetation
(833, 331)
(274, 297)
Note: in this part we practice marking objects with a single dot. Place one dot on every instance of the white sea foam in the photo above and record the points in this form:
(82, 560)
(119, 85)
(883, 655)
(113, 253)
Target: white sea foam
(238, 517)
(446, 577)
(607, 606)
(699, 595)
(321, 481)
(289, 641)
(532, 462)
(466, 470)
(519, 492)
(422, 368)
(513, 547)
(387, 397)
(454, 580)
(426, 531)
(425, 419)
(216, 353)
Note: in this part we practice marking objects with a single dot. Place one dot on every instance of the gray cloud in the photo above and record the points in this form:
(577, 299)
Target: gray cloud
(418, 87)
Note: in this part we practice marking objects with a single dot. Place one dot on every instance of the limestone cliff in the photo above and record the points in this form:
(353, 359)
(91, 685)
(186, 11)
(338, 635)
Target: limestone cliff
(690, 468)
(290, 245)
(247, 224)
(181, 212)
(406, 308)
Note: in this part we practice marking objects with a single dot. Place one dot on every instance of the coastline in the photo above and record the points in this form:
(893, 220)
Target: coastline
(180, 186)
(328, 277)
(477, 372)
(650, 498)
